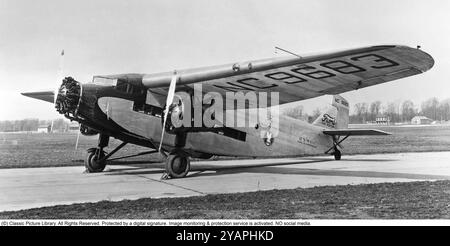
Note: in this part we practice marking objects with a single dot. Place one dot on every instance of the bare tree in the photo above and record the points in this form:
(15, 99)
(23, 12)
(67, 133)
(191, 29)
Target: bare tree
(361, 112)
(408, 110)
(392, 111)
(430, 108)
(375, 108)
(444, 110)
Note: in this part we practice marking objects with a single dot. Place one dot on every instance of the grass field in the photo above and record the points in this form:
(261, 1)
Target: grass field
(49, 150)
(412, 200)
(46, 150)
(403, 139)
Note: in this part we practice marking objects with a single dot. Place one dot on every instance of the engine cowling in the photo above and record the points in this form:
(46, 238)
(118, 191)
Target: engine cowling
(68, 97)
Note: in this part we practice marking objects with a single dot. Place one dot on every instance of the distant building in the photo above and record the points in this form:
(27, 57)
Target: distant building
(421, 120)
(382, 120)
(43, 129)
(73, 127)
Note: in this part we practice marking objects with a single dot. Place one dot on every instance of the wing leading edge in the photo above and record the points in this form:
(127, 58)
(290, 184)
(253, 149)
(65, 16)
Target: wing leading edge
(302, 78)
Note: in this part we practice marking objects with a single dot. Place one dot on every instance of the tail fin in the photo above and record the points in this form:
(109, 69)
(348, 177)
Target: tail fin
(336, 117)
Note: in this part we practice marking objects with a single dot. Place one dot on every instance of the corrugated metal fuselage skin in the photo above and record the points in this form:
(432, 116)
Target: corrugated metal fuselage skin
(295, 137)
(95, 117)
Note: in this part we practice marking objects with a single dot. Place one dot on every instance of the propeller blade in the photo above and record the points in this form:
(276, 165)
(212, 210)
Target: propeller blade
(78, 136)
(59, 79)
(169, 100)
(60, 76)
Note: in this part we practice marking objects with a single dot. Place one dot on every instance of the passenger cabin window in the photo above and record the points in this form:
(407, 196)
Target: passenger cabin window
(139, 98)
(148, 109)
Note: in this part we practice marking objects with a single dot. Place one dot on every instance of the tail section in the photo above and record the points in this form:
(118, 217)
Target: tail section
(336, 117)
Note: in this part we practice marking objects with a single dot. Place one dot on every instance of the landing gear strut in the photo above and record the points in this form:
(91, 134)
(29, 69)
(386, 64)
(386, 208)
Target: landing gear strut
(337, 154)
(336, 143)
(177, 162)
(95, 160)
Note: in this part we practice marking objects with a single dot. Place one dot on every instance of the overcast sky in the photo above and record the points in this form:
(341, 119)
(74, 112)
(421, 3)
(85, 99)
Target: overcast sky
(110, 37)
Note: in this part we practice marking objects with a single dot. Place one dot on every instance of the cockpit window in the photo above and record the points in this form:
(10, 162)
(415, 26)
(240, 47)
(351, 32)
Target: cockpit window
(128, 88)
(104, 81)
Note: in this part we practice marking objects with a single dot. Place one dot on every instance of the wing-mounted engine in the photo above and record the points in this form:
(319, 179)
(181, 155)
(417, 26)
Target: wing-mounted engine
(180, 117)
(176, 116)
(87, 131)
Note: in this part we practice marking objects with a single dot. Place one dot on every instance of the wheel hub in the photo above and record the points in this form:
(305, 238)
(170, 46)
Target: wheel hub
(179, 165)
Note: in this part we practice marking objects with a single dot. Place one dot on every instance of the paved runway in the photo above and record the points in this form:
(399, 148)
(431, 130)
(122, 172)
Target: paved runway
(37, 187)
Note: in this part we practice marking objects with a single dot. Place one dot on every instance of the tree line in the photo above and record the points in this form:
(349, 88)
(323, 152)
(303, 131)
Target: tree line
(401, 112)
(396, 111)
(29, 125)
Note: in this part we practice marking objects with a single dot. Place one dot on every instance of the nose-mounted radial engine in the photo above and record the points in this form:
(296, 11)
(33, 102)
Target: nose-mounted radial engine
(68, 98)
(68, 102)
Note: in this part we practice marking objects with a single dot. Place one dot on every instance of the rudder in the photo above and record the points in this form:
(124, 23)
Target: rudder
(337, 116)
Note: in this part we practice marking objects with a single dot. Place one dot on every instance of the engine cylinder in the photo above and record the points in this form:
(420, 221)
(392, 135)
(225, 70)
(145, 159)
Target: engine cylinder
(68, 97)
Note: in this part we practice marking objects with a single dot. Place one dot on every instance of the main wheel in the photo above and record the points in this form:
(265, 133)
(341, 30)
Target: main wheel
(92, 163)
(177, 166)
(337, 154)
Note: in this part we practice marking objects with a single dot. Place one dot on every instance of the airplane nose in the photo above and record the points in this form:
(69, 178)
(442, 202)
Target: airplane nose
(68, 98)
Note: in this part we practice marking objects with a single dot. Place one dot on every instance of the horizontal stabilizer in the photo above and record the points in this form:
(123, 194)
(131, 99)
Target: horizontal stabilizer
(47, 96)
(355, 132)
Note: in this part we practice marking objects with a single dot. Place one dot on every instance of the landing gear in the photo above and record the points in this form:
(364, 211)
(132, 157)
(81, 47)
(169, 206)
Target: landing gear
(95, 160)
(177, 165)
(336, 144)
(177, 162)
(337, 154)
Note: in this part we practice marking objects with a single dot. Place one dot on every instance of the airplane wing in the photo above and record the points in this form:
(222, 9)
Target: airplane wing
(355, 132)
(301, 78)
(47, 96)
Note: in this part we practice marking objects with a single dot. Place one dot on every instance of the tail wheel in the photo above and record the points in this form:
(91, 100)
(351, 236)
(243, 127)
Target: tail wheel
(92, 163)
(177, 166)
(337, 154)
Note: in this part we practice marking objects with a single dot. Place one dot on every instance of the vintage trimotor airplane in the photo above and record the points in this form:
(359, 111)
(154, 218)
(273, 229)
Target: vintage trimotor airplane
(132, 107)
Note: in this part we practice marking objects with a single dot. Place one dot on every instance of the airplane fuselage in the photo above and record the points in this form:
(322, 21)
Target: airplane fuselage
(125, 117)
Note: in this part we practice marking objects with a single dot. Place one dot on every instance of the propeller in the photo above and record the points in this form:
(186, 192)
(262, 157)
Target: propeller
(169, 100)
(59, 79)
(78, 136)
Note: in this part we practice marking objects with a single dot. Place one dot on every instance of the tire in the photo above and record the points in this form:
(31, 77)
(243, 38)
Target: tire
(91, 163)
(337, 155)
(177, 166)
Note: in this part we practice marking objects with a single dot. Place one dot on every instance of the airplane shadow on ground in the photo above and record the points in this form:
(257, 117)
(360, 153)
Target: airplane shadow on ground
(324, 172)
(198, 167)
(207, 170)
